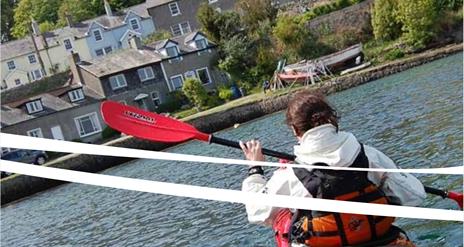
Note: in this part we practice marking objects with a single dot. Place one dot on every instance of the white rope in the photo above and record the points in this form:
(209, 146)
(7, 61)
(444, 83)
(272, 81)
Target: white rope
(34, 143)
(233, 196)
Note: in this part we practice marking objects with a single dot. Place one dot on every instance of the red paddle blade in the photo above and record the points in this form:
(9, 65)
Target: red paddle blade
(147, 125)
(457, 197)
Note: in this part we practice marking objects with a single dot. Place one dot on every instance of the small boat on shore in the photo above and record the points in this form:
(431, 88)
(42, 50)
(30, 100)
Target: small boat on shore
(322, 66)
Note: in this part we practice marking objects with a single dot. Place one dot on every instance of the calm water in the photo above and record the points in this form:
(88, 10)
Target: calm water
(415, 117)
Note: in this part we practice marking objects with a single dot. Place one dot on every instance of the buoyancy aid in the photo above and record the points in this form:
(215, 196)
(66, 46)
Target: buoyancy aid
(318, 228)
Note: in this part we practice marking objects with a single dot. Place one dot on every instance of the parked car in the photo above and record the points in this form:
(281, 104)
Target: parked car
(25, 156)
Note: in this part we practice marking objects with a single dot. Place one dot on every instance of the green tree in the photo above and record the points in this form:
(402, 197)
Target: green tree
(79, 10)
(218, 26)
(290, 35)
(7, 19)
(39, 10)
(384, 21)
(418, 18)
(256, 11)
(46, 26)
(239, 56)
(195, 92)
(449, 4)
(121, 4)
(207, 17)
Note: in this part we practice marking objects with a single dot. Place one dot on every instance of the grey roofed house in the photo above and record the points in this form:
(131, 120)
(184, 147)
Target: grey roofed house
(14, 112)
(155, 3)
(118, 18)
(182, 41)
(133, 58)
(18, 48)
(120, 61)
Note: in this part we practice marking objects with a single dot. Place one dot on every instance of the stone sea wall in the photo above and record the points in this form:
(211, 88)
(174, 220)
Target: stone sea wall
(355, 17)
(19, 186)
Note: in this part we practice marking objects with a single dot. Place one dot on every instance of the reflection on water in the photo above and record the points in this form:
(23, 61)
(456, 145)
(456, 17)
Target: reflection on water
(415, 117)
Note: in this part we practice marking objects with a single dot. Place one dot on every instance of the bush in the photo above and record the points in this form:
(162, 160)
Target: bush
(195, 92)
(418, 18)
(168, 106)
(225, 93)
(394, 54)
(213, 100)
(449, 25)
(174, 101)
(108, 132)
(384, 21)
(342, 3)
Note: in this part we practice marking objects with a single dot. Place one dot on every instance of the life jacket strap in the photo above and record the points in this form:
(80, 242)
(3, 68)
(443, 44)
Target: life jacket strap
(341, 232)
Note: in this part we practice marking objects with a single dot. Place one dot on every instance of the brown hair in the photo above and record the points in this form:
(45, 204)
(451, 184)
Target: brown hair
(307, 110)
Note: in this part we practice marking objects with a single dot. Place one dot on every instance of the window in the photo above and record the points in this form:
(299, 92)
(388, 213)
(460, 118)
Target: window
(177, 81)
(36, 74)
(87, 124)
(108, 49)
(175, 30)
(134, 24)
(118, 81)
(7, 150)
(32, 59)
(35, 133)
(172, 51)
(103, 51)
(174, 7)
(34, 106)
(201, 44)
(67, 44)
(17, 82)
(185, 26)
(155, 97)
(98, 35)
(180, 29)
(11, 65)
(145, 73)
(99, 52)
(203, 75)
(76, 95)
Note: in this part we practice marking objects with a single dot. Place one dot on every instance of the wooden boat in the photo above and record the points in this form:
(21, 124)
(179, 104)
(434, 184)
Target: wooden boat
(324, 65)
(296, 76)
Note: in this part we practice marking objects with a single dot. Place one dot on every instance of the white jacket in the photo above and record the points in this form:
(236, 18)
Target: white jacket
(324, 144)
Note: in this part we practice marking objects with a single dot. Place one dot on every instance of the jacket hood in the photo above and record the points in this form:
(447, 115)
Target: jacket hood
(324, 144)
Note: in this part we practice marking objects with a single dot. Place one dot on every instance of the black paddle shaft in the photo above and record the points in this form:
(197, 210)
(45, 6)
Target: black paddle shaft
(290, 157)
(234, 144)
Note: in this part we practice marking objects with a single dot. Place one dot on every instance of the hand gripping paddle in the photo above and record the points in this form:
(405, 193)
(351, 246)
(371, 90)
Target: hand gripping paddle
(155, 127)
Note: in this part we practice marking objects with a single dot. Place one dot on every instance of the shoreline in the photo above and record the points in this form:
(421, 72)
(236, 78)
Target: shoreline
(219, 118)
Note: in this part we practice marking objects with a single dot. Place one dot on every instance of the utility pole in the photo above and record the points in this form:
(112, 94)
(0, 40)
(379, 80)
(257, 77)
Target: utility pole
(32, 34)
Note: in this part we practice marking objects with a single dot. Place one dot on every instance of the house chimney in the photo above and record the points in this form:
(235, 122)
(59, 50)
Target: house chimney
(69, 19)
(74, 60)
(107, 8)
(135, 42)
(35, 28)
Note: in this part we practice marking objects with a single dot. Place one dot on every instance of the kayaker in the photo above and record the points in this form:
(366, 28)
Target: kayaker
(315, 124)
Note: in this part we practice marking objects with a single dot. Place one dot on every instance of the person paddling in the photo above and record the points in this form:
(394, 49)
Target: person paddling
(315, 124)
